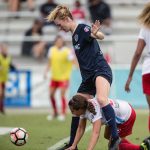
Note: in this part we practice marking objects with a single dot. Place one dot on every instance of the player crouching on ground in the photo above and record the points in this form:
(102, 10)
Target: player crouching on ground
(125, 118)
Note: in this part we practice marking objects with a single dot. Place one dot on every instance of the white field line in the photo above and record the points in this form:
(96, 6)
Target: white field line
(58, 144)
(5, 130)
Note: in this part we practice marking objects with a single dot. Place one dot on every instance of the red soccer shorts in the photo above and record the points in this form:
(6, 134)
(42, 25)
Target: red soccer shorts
(146, 83)
(125, 129)
(59, 84)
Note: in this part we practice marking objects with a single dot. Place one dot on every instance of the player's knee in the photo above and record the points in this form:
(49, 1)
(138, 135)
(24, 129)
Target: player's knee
(102, 100)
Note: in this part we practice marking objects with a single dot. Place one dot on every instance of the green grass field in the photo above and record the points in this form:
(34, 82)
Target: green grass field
(44, 134)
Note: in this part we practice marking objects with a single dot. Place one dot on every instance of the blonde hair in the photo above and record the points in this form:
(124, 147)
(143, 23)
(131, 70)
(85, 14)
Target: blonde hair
(144, 17)
(61, 12)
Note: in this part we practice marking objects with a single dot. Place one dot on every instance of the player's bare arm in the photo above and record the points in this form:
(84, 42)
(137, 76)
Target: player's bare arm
(79, 134)
(95, 135)
(140, 47)
(47, 69)
(95, 33)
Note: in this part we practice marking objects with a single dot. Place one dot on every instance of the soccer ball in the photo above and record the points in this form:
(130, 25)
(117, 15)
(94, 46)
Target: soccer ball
(18, 136)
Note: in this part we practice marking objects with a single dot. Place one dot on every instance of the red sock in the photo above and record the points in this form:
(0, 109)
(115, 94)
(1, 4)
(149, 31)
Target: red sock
(2, 88)
(54, 105)
(128, 146)
(149, 123)
(64, 105)
(1, 105)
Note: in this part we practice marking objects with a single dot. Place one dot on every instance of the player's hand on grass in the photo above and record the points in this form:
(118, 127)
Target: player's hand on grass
(71, 148)
(95, 27)
(127, 86)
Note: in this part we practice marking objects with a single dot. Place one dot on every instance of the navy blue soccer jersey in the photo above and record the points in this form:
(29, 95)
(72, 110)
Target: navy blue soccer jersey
(88, 52)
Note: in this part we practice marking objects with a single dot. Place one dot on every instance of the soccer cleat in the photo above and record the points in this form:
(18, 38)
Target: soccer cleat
(114, 143)
(65, 147)
(143, 146)
(146, 142)
(61, 118)
(51, 117)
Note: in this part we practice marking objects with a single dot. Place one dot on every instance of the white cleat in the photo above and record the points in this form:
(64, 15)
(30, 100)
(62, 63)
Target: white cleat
(49, 117)
(61, 118)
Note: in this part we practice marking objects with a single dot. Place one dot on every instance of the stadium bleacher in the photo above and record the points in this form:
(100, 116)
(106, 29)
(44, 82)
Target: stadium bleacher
(121, 41)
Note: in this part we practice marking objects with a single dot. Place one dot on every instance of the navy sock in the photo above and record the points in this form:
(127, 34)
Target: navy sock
(74, 127)
(110, 118)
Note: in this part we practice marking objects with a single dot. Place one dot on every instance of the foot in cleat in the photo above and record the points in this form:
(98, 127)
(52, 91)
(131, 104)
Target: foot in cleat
(65, 146)
(145, 143)
(114, 143)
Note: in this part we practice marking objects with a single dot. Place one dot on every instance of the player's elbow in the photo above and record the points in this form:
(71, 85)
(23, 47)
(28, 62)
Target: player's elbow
(96, 134)
(100, 35)
(96, 137)
(80, 128)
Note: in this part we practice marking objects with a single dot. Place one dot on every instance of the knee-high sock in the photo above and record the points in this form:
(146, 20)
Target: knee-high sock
(53, 102)
(127, 145)
(149, 123)
(1, 105)
(110, 117)
(64, 105)
(2, 97)
(74, 127)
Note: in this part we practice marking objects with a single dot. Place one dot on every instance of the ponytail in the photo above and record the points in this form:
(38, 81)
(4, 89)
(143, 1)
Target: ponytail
(90, 108)
(61, 12)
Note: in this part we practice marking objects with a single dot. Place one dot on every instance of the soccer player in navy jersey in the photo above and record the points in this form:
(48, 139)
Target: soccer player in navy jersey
(95, 71)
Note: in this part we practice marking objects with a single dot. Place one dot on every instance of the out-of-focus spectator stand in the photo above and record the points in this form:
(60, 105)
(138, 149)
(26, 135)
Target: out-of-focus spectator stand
(15, 5)
(78, 12)
(122, 40)
(34, 48)
(100, 10)
(45, 8)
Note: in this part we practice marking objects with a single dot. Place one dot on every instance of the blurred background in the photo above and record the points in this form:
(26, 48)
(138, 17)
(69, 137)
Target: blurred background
(28, 38)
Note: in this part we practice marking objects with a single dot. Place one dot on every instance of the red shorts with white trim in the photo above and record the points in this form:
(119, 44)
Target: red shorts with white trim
(146, 83)
(125, 129)
(59, 84)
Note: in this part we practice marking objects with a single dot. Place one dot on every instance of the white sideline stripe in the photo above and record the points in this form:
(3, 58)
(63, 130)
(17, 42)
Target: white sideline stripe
(57, 145)
(5, 130)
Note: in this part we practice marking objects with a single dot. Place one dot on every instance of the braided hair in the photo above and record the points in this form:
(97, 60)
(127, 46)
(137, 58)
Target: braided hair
(80, 102)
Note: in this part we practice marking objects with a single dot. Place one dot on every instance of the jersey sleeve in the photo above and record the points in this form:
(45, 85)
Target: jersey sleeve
(98, 115)
(142, 34)
(86, 32)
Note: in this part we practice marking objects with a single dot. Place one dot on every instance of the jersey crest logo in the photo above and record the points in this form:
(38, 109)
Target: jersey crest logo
(86, 29)
(76, 37)
(77, 46)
